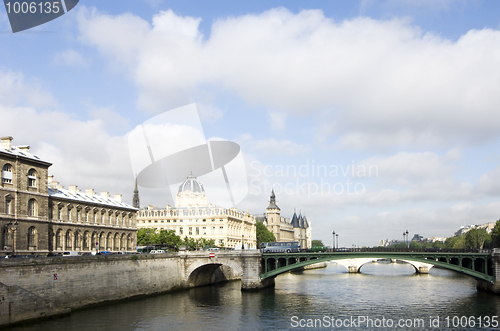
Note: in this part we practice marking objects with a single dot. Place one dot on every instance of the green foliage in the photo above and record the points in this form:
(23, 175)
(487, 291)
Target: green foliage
(475, 238)
(148, 236)
(495, 235)
(399, 246)
(263, 234)
(317, 243)
(455, 242)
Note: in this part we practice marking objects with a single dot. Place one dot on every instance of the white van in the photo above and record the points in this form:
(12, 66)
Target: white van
(71, 253)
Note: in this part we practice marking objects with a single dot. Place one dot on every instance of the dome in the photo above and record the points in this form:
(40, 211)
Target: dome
(191, 184)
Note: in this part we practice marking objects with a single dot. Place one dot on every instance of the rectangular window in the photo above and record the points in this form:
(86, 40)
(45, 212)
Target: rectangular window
(190, 230)
(204, 230)
(181, 230)
(8, 206)
(197, 230)
(221, 230)
(7, 176)
(213, 230)
(77, 216)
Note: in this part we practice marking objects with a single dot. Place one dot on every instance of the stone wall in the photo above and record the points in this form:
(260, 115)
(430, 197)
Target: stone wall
(44, 287)
(41, 287)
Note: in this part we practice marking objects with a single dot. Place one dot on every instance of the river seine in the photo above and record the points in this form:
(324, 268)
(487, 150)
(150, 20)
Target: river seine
(382, 297)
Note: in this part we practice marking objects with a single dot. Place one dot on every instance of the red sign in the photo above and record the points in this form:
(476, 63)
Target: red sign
(211, 255)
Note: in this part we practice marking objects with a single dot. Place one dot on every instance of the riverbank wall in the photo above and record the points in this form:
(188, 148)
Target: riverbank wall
(43, 287)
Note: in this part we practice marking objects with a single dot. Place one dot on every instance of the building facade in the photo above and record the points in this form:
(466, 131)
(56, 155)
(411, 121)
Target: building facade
(195, 218)
(38, 216)
(285, 229)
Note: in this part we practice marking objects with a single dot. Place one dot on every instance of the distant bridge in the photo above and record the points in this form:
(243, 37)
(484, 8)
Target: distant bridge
(478, 265)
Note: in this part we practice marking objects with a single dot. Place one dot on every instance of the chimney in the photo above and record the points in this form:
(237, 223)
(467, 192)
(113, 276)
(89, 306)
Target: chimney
(105, 195)
(7, 142)
(150, 207)
(50, 178)
(90, 192)
(24, 148)
(118, 197)
(73, 189)
(54, 184)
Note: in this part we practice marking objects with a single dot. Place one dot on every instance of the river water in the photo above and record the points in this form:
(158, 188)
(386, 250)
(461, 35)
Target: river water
(381, 297)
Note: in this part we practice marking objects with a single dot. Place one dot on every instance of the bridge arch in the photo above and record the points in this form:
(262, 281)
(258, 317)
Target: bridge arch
(201, 273)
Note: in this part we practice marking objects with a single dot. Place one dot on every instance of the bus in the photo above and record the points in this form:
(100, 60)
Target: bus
(281, 247)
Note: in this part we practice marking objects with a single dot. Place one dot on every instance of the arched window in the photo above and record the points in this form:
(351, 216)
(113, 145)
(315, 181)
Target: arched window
(69, 239)
(32, 238)
(7, 174)
(32, 207)
(32, 178)
(59, 239)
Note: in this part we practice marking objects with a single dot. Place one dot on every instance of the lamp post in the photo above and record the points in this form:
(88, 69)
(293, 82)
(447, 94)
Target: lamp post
(96, 231)
(13, 227)
(242, 245)
(337, 236)
(333, 239)
(407, 239)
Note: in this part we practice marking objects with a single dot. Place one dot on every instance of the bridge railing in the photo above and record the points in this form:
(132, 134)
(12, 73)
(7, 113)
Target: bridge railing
(389, 249)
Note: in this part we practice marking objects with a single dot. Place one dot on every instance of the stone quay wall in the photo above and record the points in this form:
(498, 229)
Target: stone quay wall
(41, 287)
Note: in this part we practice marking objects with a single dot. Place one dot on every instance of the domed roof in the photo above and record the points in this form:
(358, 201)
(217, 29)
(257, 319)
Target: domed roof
(191, 184)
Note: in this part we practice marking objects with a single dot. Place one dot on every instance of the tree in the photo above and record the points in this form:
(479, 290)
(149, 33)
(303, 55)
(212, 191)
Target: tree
(475, 238)
(169, 239)
(455, 242)
(495, 235)
(317, 243)
(263, 234)
(147, 236)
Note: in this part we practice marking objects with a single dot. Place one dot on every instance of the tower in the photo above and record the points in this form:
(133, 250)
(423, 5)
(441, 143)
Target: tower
(135, 201)
(273, 217)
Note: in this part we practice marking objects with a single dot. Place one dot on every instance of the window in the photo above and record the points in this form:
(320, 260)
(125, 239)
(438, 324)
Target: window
(32, 237)
(221, 230)
(77, 215)
(32, 178)
(204, 231)
(190, 230)
(8, 205)
(7, 174)
(59, 212)
(213, 230)
(181, 230)
(32, 208)
(197, 230)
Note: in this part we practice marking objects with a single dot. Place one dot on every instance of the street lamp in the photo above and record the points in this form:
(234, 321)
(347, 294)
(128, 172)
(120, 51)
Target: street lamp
(96, 231)
(407, 239)
(242, 245)
(13, 227)
(337, 236)
(333, 235)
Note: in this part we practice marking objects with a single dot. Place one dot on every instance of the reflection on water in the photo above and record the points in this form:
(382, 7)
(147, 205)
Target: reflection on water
(392, 291)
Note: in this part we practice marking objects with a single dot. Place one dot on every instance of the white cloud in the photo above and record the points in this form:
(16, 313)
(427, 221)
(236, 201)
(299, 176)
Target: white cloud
(272, 147)
(386, 79)
(70, 58)
(277, 121)
(14, 90)
(489, 183)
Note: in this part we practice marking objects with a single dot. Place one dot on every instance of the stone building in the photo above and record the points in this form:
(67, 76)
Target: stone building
(39, 216)
(195, 218)
(286, 229)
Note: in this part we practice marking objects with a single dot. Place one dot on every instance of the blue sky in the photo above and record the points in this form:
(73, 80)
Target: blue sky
(408, 89)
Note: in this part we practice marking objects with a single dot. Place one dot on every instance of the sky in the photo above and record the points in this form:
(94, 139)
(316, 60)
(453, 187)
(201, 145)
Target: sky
(368, 117)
